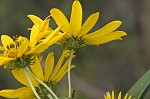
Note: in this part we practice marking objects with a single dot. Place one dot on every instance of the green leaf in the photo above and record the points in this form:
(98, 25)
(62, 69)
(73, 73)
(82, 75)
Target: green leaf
(140, 89)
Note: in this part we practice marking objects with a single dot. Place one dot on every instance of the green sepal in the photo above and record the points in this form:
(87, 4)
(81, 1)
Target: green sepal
(140, 89)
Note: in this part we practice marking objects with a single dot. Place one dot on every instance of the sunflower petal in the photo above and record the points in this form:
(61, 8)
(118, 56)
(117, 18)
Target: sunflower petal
(4, 60)
(6, 41)
(60, 19)
(34, 33)
(36, 20)
(62, 70)
(49, 63)
(110, 27)
(55, 39)
(97, 40)
(7, 93)
(59, 64)
(22, 92)
(37, 69)
(21, 77)
(76, 17)
(89, 23)
(2, 48)
(45, 25)
(23, 47)
(62, 75)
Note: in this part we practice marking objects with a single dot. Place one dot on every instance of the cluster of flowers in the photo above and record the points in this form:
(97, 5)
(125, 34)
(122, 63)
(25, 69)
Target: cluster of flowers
(23, 56)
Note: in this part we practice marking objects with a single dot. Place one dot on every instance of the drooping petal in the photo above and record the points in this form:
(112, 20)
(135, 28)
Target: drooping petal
(21, 77)
(59, 63)
(49, 64)
(23, 46)
(60, 20)
(22, 92)
(37, 69)
(89, 23)
(97, 40)
(36, 20)
(6, 41)
(110, 27)
(76, 17)
(7, 93)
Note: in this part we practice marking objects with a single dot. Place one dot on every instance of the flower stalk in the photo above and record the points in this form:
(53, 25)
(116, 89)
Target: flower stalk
(42, 83)
(32, 87)
(50, 96)
(69, 76)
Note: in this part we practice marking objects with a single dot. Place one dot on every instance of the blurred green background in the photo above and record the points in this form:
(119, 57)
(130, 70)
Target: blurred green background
(113, 66)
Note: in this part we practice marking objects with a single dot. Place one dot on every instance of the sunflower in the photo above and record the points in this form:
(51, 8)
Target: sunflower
(112, 96)
(77, 36)
(50, 76)
(19, 52)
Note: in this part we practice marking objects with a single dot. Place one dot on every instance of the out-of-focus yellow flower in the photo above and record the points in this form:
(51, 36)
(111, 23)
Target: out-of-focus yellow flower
(51, 76)
(20, 52)
(77, 35)
(112, 96)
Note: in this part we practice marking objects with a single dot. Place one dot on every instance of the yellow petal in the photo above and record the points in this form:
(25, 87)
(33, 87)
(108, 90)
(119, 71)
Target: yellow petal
(97, 40)
(36, 20)
(6, 41)
(7, 93)
(55, 39)
(60, 20)
(21, 77)
(49, 64)
(113, 95)
(119, 96)
(43, 35)
(34, 33)
(22, 92)
(76, 17)
(110, 27)
(45, 25)
(62, 70)
(4, 60)
(38, 49)
(2, 48)
(59, 64)
(23, 46)
(62, 75)
(37, 69)
(89, 23)
(46, 42)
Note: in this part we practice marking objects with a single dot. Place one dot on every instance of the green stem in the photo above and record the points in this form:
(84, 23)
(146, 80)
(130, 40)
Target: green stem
(50, 96)
(69, 77)
(32, 87)
(42, 83)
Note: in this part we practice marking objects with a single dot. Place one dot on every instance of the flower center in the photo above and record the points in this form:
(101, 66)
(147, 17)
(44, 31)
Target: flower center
(21, 62)
(73, 43)
(12, 48)
(43, 92)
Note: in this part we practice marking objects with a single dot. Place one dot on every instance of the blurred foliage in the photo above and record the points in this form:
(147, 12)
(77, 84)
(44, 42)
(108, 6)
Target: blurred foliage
(113, 66)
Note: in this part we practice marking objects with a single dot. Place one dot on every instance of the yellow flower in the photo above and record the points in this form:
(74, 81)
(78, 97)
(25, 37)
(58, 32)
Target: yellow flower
(77, 36)
(51, 76)
(20, 52)
(112, 96)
